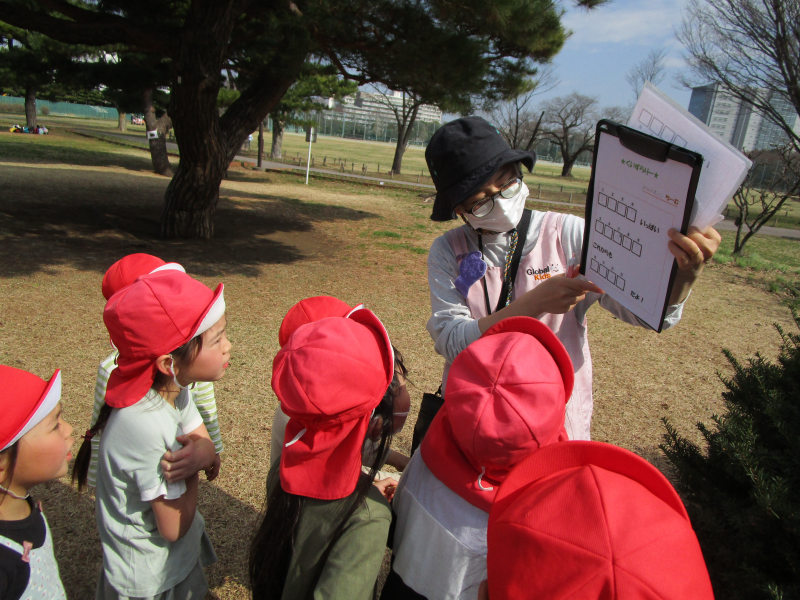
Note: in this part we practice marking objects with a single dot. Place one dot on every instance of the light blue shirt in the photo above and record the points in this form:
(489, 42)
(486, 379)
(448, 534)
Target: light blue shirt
(138, 562)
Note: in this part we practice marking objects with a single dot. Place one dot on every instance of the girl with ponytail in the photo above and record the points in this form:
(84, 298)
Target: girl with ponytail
(169, 330)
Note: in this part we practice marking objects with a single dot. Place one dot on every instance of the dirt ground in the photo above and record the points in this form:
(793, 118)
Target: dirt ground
(278, 241)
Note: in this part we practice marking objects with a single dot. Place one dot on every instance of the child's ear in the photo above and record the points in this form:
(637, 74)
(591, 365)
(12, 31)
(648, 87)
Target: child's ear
(164, 364)
(375, 428)
(4, 462)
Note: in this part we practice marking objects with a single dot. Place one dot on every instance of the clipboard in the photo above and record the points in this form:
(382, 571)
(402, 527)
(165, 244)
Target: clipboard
(641, 186)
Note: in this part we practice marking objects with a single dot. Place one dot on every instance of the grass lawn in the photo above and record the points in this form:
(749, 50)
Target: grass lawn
(763, 253)
(377, 156)
(71, 206)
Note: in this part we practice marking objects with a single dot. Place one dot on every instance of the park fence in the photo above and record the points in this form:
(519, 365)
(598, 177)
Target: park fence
(66, 109)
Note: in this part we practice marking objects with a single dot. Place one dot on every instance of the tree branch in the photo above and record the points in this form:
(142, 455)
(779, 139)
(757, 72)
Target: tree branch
(94, 31)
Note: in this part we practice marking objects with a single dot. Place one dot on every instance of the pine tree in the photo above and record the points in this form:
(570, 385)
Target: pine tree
(468, 45)
(743, 491)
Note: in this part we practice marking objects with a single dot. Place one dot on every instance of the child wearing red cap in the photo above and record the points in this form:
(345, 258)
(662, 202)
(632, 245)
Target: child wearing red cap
(313, 309)
(169, 330)
(118, 276)
(35, 444)
(590, 521)
(325, 527)
(506, 398)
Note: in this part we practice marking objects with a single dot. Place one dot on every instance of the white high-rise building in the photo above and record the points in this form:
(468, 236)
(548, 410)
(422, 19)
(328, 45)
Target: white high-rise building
(736, 122)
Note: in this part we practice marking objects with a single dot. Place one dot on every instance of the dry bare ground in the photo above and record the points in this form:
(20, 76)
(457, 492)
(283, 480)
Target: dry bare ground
(277, 242)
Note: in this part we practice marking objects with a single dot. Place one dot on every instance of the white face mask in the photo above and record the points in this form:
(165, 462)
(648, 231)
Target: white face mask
(505, 215)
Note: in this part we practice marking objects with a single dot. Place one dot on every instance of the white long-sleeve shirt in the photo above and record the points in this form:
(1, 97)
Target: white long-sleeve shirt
(451, 325)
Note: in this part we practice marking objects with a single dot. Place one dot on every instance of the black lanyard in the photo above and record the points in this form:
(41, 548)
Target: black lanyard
(522, 235)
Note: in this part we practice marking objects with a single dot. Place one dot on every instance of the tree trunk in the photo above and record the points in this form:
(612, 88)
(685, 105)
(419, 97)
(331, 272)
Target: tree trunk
(403, 137)
(399, 150)
(122, 121)
(30, 105)
(566, 170)
(277, 138)
(158, 145)
(208, 142)
(535, 133)
(260, 143)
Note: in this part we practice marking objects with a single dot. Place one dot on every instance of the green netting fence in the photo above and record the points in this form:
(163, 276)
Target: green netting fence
(61, 108)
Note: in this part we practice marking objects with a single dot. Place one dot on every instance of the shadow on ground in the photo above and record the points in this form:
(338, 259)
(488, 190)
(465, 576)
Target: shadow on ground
(229, 523)
(83, 218)
(14, 149)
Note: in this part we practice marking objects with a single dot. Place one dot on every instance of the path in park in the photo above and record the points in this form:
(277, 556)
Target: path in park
(726, 225)
(264, 163)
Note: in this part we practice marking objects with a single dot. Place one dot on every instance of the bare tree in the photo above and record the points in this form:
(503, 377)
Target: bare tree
(651, 68)
(758, 200)
(752, 48)
(519, 123)
(405, 114)
(569, 123)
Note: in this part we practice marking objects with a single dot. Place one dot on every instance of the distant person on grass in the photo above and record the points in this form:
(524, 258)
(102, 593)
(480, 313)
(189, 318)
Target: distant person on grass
(478, 179)
(322, 307)
(183, 462)
(324, 531)
(170, 333)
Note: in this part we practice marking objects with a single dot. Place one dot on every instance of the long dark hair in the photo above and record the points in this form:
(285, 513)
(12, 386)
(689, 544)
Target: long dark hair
(273, 544)
(183, 357)
(10, 454)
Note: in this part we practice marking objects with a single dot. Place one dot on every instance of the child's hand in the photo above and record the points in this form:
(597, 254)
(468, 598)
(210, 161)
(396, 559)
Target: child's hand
(694, 249)
(185, 462)
(387, 487)
(213, 470)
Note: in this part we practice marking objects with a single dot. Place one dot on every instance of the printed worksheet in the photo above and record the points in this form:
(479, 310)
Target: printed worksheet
(636, 201)
(724, 167)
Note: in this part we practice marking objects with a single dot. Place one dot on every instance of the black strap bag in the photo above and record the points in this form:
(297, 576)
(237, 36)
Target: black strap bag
(431, 403)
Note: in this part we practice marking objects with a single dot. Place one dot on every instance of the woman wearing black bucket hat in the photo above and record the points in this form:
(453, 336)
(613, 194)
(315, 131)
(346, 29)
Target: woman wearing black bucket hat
(506, 261)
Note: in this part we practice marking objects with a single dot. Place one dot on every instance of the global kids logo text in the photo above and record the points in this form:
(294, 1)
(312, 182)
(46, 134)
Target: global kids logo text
(539, 274)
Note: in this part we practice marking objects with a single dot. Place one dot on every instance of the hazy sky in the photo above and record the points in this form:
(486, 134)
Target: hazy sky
(608, 41)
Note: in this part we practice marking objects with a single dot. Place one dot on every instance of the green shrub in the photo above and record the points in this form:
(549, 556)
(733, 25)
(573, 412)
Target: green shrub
(16, 109)
(45, 110)
(743, 491)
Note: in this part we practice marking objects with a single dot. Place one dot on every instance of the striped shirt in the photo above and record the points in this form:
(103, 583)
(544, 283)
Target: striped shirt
(202, 394)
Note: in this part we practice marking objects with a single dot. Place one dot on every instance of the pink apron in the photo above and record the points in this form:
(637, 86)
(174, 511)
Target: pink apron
(544, 260)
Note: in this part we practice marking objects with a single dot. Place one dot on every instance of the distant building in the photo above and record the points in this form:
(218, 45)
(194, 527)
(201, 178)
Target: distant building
(736, 122)
(367, 107)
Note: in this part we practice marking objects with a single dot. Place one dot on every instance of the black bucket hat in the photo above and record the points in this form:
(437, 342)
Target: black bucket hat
(462, 156)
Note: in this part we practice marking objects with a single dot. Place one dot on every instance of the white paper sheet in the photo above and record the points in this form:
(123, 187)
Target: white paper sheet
(724, 167)
(636, 201)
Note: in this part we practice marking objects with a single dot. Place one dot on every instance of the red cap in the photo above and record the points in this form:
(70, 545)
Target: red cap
(25, 400)
(594, 522)
(155, 315)
(129, 268)
(310, 310)
(329, 377)
(506, 397)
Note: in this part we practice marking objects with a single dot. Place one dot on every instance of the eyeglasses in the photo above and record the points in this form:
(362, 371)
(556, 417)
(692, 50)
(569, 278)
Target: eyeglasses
(485, 206)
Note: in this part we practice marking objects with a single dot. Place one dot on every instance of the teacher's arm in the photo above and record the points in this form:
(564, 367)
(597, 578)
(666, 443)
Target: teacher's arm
(691, 251)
